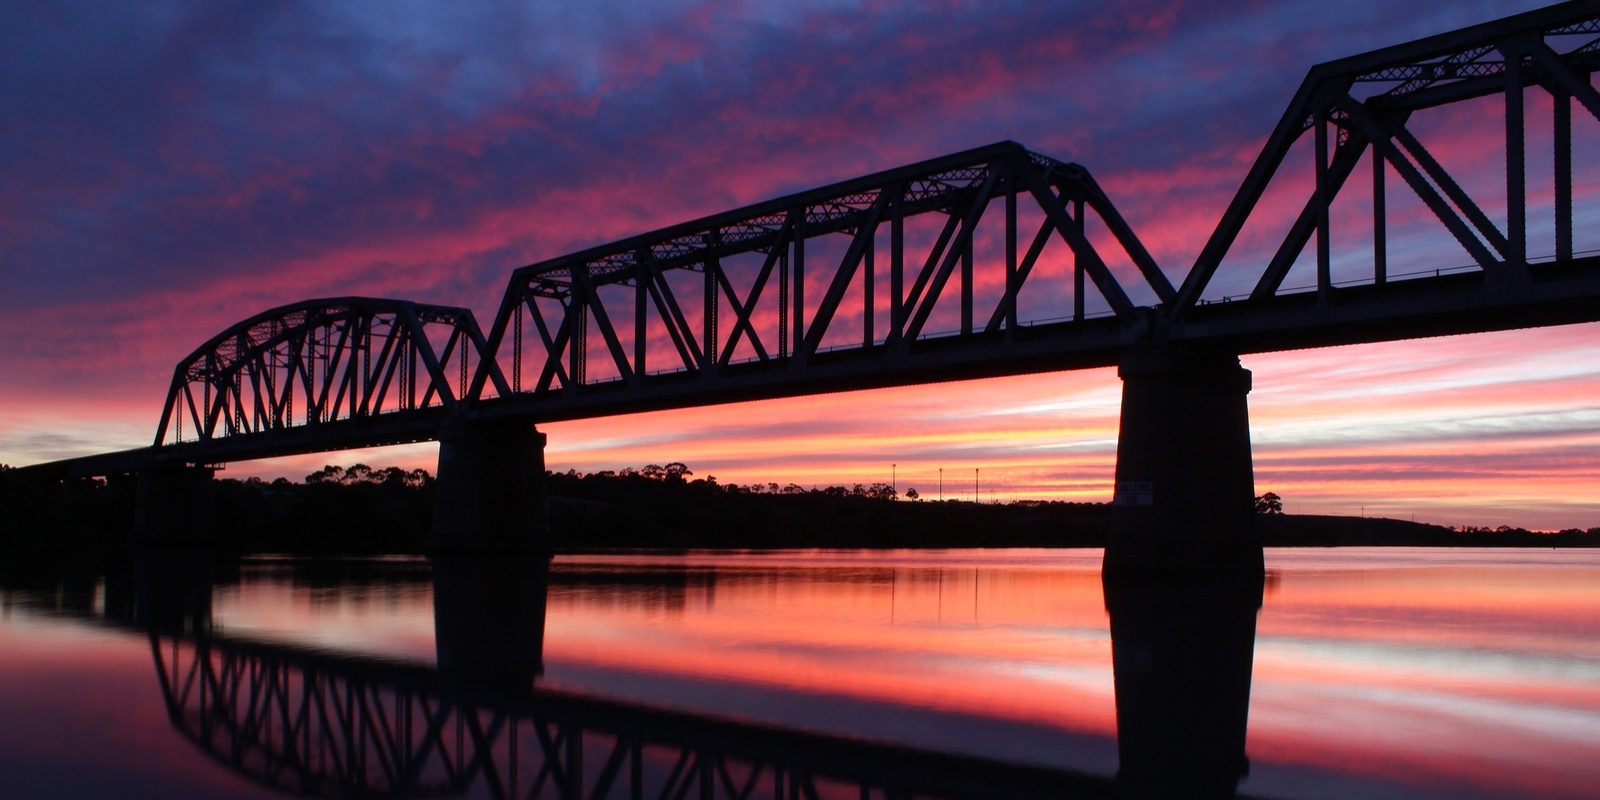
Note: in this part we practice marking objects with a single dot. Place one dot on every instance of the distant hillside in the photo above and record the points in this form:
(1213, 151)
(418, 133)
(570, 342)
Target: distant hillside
(818, 520)
(1317, 530)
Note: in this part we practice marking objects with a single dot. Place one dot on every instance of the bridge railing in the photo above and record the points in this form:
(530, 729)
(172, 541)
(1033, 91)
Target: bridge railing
(1376, 108)
(320, 361)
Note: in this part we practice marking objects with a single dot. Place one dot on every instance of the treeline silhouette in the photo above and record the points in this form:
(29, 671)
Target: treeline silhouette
(365, 510)
(665, 506)
(359, 509)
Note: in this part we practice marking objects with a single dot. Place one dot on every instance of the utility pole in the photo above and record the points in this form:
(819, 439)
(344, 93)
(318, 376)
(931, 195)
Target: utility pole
(941, 484)
(974, 484)
(894, 479)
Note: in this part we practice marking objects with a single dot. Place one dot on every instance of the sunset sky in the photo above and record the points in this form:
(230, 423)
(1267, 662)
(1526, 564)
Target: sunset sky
(171, 169)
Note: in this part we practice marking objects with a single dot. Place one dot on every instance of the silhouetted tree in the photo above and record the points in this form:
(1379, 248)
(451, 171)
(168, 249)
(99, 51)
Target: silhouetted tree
(911, 493)
(1269, 503)
(881, 491)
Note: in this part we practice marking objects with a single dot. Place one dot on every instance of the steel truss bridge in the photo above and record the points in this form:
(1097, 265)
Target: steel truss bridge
(994, 261)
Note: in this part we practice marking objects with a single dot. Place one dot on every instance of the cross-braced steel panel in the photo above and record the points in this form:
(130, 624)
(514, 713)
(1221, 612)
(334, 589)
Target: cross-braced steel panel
(698, 298)
(321, 363)
(1372, 105)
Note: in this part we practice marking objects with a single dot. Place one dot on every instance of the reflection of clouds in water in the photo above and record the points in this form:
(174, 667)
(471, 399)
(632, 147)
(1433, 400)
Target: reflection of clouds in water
(1421, 431)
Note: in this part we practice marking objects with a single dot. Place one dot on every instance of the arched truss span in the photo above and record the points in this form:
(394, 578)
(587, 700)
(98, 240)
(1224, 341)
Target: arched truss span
(320, 361)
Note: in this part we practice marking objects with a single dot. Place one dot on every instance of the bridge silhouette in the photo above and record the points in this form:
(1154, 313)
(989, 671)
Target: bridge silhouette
(478, 722)
(999, 261)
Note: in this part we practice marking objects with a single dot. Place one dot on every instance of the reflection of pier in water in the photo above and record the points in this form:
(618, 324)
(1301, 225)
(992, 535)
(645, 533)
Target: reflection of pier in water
(313, 723)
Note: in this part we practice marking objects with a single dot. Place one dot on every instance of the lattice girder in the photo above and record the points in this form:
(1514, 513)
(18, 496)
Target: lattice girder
(1350, 113)
(552, 308)
(320, 361)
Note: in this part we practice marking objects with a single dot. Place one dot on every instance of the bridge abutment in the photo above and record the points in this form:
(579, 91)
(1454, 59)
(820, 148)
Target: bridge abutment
(174, 504)
(489, 494)
(1185, 484)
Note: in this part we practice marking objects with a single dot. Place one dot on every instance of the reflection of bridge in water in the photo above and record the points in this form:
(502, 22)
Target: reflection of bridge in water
(716, 310)
(315, 724)
(310, 722)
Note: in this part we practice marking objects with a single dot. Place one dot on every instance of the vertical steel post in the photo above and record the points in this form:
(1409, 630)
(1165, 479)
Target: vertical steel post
(1563, 168)
(1011, 258)
(713, 267)
(516, 350)
(868, 288)
(783, 301)
(641, 277)
(897, 265)
(1077, 263)
(966, 283)
(1380, 221)
(1516, 165)
(800, 282)
(1324, 254)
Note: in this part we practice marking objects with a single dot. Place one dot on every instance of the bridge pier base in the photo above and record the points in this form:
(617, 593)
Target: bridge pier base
(174, 504)
(1185, 485)
(489, 494)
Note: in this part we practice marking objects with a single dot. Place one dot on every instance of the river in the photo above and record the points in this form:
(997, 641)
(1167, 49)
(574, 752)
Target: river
(1350, 672)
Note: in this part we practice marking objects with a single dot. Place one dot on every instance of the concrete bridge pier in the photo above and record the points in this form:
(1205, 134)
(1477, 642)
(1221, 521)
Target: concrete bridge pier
(489, 494)
(174, 504)
(1185, 493)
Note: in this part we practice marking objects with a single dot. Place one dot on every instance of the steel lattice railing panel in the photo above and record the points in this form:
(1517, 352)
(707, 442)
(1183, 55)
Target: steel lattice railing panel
(697, 297)
(322, 362)
(1370, 108)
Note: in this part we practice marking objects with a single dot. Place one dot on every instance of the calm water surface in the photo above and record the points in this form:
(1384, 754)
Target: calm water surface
(1363, 673)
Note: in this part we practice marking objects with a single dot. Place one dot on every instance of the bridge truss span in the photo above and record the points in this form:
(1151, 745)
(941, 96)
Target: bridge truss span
(322, 365)
(794, 287)
(1375, 111)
